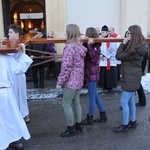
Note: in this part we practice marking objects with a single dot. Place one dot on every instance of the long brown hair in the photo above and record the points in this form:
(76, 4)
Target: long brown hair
(136, 37)
(72, 33)
(91, 32)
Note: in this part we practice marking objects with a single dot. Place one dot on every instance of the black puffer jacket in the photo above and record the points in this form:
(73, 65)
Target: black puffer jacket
(131, 66)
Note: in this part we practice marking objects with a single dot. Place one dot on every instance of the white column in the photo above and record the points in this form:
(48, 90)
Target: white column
(56, 19)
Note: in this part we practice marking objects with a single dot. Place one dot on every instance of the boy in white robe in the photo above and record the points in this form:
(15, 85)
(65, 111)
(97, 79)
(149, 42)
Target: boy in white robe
(14, 32)
(12, 125)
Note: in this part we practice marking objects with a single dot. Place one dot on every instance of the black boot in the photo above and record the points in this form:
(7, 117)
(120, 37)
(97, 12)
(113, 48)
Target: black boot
(70, 131)
(102, 117)
(132, 124)
(121, 128)
(79, 127)
(88, 120)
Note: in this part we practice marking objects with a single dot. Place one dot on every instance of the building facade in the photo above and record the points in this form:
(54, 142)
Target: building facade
(119, 14)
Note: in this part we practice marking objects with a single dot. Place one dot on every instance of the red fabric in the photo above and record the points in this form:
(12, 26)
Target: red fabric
(108, 59)
(115, 35)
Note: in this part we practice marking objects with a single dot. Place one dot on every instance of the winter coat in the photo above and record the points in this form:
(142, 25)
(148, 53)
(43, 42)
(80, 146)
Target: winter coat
(72, 67)
(92, 59)
(131, 66)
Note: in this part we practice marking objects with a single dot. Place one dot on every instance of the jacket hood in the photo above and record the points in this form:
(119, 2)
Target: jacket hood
(142, 48)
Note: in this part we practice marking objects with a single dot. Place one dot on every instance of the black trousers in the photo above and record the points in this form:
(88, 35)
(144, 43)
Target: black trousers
(142, 97)
(108, 78)
(38, 75)
(51, 67)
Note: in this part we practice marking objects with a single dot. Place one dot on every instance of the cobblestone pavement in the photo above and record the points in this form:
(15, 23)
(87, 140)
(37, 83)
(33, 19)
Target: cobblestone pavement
(48, 121)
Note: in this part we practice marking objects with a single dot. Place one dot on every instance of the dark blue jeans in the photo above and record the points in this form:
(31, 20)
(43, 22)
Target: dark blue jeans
(94, 98)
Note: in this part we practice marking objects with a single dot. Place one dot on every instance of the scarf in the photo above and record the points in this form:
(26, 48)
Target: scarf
(108, 59)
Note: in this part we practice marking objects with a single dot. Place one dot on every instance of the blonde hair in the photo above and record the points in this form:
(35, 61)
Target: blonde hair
(72, 33)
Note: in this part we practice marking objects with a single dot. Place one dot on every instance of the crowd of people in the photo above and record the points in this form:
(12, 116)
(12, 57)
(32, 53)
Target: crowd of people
(93, 64)
(108, 56)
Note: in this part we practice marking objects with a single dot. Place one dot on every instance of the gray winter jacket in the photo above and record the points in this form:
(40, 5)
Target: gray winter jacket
(131, 66)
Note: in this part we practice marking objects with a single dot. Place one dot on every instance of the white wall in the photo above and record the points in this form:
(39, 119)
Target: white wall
(137, 14)
(94, 13)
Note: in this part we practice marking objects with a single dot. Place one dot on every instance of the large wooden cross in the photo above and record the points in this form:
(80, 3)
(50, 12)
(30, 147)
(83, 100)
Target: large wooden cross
(11, 46)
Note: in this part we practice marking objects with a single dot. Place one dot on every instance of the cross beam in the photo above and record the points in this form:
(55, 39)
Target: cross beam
(11, 46)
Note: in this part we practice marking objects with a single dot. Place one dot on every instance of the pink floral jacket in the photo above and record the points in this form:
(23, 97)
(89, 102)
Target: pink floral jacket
(72, 67)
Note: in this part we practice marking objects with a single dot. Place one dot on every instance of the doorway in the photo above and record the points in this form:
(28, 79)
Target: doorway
(29, 14)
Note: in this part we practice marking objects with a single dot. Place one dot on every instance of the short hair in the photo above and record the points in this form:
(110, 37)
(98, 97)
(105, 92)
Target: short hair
(16, 28)
(72, 33)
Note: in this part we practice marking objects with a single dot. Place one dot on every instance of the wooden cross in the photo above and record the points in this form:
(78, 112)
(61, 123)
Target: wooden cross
(11, 46)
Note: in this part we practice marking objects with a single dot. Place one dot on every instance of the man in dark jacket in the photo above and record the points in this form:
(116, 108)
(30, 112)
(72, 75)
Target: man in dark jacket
(39, 47)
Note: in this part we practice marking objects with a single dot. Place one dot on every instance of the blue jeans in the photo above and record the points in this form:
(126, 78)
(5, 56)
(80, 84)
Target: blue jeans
(94, 98)
(128, 107)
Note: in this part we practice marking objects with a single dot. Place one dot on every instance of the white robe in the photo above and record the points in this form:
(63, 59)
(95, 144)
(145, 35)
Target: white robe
(12, 125)
(20, 90)
(104, 50)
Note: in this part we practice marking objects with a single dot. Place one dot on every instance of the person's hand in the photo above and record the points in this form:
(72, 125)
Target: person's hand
(23, 47)
(90, 41)
(32, 56)
(125, 40)
(101, 56)
(58, 86)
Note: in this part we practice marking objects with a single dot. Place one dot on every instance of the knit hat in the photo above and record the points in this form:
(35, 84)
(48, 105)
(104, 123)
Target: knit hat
(104, 28)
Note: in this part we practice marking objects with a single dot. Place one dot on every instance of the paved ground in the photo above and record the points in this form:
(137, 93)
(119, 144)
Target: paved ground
(48, 121)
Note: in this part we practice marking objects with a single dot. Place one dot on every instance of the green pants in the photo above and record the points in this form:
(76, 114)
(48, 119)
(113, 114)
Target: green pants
(71, 102)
